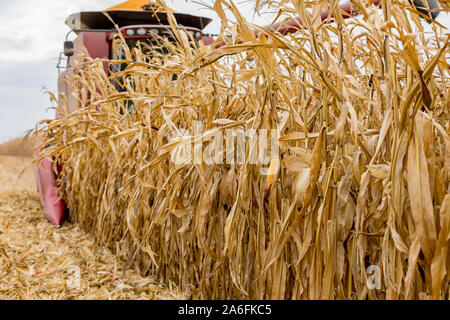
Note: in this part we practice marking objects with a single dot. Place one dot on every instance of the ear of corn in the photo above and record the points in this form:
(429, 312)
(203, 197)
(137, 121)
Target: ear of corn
(361, 106)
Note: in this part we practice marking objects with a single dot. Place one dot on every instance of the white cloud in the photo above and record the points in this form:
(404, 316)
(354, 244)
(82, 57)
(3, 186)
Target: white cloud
(38, 27)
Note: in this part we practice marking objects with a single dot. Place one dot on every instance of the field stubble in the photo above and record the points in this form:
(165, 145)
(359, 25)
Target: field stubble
(38, 261)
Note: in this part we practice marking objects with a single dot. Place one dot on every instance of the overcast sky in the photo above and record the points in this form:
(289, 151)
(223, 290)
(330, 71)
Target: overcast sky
(31, 38)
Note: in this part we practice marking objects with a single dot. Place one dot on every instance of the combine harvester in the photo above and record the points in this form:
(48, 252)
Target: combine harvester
(141, 21)
(137, 21)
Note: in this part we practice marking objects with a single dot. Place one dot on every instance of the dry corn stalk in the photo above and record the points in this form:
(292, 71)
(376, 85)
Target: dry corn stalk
(362, 184)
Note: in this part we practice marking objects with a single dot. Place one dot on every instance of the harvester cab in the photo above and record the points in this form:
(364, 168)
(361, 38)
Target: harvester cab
(138, 22)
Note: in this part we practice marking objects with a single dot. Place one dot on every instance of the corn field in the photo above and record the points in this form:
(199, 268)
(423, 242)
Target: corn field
(361, 182)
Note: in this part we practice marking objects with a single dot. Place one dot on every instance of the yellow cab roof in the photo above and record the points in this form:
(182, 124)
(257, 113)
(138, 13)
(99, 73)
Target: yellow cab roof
(138, 5)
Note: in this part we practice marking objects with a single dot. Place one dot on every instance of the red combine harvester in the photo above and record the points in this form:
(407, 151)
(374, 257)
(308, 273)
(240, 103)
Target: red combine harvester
(137, 21)
(140, 21)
